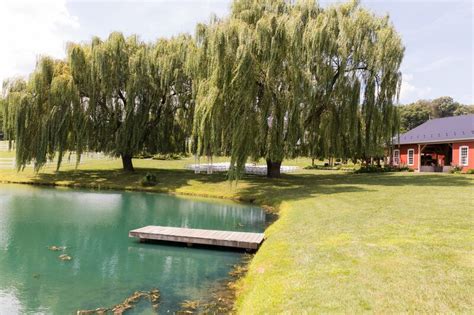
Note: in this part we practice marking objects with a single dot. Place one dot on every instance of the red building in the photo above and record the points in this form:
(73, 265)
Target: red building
(437, 145)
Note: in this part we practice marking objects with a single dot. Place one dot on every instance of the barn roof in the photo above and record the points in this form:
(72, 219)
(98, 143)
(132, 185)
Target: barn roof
(446, 129)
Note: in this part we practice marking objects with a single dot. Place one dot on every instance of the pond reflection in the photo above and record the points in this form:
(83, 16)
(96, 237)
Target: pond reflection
(106, 265)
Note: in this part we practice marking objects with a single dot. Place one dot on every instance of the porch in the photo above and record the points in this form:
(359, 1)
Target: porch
(435, 157)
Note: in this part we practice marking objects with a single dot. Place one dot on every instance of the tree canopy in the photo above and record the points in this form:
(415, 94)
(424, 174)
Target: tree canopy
(11, 97)
(415, 114)
(275, 79)
(119, 96)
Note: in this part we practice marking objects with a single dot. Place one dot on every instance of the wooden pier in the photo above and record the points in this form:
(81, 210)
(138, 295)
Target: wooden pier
(243, 240)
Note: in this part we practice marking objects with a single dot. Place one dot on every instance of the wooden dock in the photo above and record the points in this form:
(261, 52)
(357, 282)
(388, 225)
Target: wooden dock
(243, 240)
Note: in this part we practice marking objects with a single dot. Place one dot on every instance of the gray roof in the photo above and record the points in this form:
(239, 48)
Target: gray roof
(448, 129)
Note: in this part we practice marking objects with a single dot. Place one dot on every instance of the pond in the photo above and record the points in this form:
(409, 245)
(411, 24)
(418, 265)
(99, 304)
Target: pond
(107, 266)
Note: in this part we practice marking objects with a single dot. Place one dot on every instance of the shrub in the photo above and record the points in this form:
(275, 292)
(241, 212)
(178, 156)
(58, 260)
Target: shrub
(403, 168)
(143, 155)
(167, 157)
(148, 180)
(330, 168)
(379, 169)
(455, 169)
(471, 171)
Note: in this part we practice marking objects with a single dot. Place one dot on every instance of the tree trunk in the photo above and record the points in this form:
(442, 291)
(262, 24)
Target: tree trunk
(127, 163)
(312, 162)
(273, 169)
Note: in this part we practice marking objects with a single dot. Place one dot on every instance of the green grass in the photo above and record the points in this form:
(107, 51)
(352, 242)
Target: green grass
(355, 243)
(400, 242)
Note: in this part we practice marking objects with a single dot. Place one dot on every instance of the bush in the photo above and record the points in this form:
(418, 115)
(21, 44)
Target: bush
(404, 168)
(455, 169)
(148, 180)
(370, 169)
(379, 169)
(471, 171)
(143, 155)
(167, 157)
(330, 168)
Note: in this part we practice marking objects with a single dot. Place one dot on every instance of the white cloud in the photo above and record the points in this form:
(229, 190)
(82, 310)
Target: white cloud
(29, 29)
(409, 92)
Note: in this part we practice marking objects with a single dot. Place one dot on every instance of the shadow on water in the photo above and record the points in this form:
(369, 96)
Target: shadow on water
(196, 246)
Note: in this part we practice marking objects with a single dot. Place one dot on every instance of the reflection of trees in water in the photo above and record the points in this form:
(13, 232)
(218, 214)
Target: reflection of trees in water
(107, 266)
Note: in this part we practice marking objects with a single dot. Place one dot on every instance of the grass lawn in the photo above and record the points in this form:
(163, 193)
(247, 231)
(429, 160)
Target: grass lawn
(343, 242)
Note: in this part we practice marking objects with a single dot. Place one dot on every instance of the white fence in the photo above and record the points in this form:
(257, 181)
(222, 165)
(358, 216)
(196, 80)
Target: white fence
(210, 168)
(3, 146)
(9, 163)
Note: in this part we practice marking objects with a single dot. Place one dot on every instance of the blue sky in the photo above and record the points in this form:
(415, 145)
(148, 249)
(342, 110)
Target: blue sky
(438, 35)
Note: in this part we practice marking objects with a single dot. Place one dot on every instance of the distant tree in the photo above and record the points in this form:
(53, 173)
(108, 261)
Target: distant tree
(464, 110)
(415, 114)
(443, 106)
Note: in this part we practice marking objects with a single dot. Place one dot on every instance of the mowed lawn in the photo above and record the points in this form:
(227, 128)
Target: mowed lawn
(343, 242)
(355, 243)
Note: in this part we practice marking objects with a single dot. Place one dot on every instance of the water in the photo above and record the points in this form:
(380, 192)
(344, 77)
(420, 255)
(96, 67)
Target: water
(107, 265)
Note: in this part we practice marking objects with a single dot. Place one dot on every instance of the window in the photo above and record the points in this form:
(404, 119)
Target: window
(464, 155)
(411, 157)
(396, 157)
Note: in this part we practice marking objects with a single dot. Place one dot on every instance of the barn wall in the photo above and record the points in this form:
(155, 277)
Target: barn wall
(455, 156)
(404, 155)
(456, 152)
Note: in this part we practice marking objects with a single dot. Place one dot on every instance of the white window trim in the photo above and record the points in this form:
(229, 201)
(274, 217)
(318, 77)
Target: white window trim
(408, 157)
(460, 155)
(396, 158)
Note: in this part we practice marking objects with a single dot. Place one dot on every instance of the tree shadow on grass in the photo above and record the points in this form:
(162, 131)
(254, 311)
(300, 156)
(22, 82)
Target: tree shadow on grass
(299, 186)
(168, 180)
(251, 188)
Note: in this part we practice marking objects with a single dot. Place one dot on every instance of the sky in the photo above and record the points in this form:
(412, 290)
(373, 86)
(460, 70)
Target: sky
(438, 34)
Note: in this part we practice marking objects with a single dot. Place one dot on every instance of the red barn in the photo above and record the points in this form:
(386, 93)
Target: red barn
(437, 145)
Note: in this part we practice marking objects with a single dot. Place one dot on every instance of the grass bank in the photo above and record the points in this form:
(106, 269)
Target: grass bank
(343, 243)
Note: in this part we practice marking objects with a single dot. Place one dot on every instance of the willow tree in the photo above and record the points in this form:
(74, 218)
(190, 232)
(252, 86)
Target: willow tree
(278, 76)
(134, 94)
(13, 93)
(119, 96)
(41, 113)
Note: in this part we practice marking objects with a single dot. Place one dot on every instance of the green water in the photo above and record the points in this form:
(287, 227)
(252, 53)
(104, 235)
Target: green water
(107, 265)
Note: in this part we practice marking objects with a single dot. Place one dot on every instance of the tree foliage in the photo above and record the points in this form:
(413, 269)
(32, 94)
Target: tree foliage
(415, 114)
(119, 96)
(278, 79)
(13, 93)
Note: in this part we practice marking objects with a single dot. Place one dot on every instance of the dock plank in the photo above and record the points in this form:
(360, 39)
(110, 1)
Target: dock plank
(246, 240)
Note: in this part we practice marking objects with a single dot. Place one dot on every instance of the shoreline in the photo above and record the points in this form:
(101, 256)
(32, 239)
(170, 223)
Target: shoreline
(250, 201)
